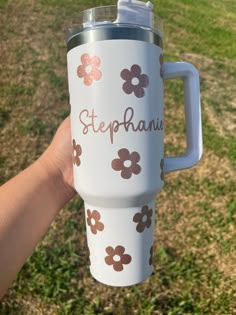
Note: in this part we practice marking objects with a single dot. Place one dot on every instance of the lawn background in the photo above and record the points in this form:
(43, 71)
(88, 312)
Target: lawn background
(195, 236)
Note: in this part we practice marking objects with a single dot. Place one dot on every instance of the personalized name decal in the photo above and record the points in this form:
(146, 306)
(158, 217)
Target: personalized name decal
(92, 123)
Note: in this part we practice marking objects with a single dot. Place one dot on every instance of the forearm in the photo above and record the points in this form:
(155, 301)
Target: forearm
(29, 203)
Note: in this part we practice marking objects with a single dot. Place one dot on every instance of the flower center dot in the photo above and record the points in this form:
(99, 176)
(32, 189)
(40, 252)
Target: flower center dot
(88, 69)
(144, 218)
(93, 221)
(116, 258)
(135, 81)
(127, 163)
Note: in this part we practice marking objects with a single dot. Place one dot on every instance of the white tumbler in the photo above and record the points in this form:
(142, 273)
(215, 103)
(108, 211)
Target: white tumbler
(115, 74)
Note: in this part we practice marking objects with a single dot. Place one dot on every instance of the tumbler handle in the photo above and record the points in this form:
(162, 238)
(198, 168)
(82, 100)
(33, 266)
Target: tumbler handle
(193, 122)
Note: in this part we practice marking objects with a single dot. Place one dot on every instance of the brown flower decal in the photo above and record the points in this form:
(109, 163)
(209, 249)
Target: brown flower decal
(93, 220)
(135, 81)
(162, 169)
(77, 151)
(127, 163)
(143, 218)
(117, 257)
(151, 256)
(89, 69)
(161, 60)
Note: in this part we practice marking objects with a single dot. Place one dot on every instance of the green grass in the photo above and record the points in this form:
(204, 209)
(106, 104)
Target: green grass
(4, 117)
(208, 25)
(3, 3)
(195, 251)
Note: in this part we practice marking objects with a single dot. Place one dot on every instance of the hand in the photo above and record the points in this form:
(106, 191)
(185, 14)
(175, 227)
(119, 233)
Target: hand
(58, 156)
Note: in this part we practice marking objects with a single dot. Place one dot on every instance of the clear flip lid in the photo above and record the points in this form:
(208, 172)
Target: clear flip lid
(126, 12)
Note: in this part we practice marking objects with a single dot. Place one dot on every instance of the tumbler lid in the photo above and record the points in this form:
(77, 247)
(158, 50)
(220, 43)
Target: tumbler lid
(132, 13)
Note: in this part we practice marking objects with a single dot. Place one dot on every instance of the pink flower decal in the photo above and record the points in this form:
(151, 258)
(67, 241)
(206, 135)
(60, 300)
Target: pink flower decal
(117, 257)
(77, 151)
(161, 60)
(162, 169)
(93, 220)
(89, 69)
(127, 163)
(135, 82)
(143, 218)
